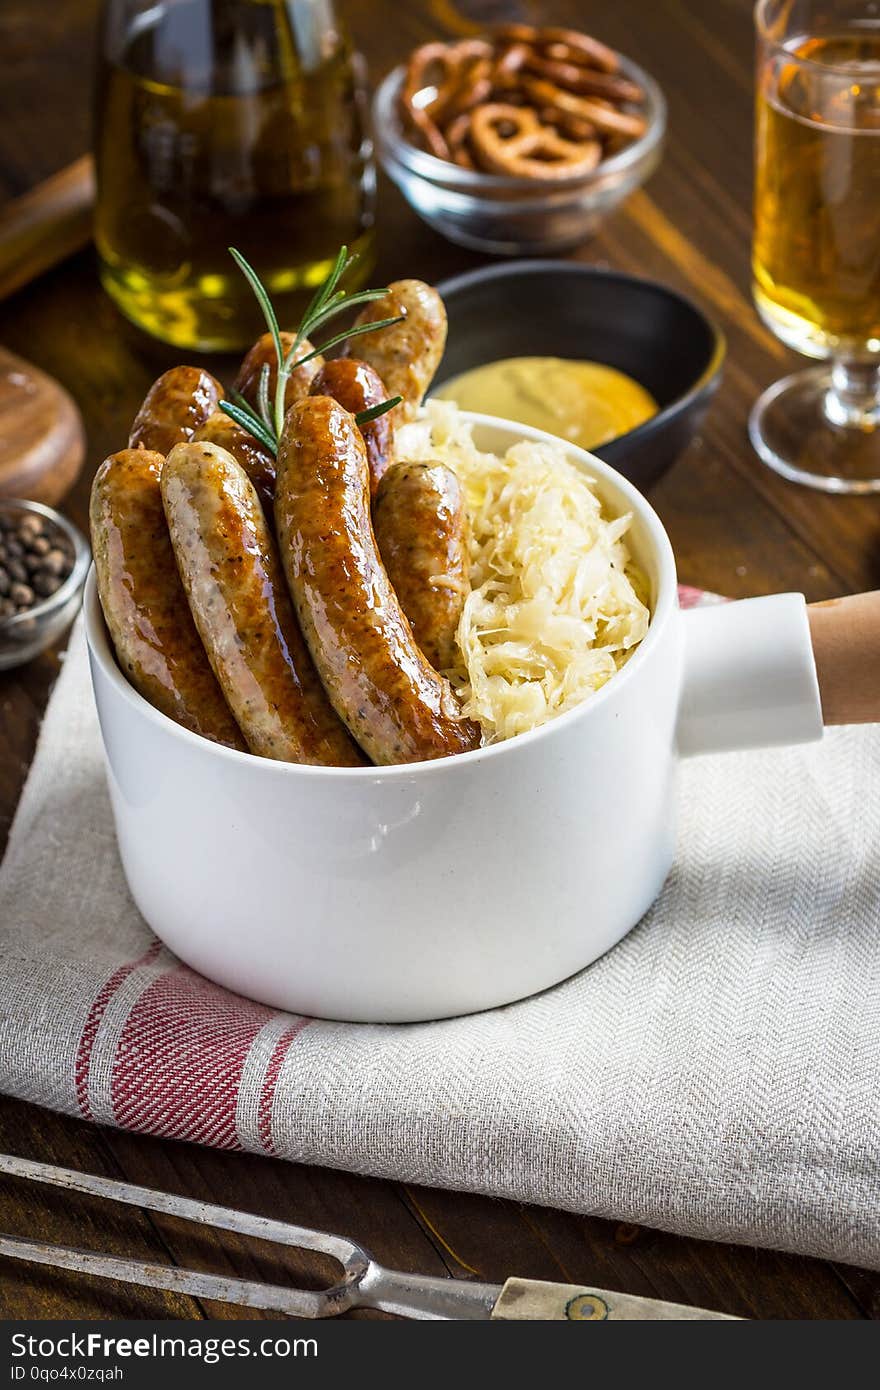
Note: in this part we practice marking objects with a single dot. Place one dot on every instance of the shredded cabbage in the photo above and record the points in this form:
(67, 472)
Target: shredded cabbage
(556, 605)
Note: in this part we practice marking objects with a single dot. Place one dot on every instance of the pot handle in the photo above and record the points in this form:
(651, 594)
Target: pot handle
(749, 676)
(765, 671)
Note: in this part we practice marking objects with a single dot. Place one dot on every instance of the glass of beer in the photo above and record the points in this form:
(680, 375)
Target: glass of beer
(227, 123)
(816, 254)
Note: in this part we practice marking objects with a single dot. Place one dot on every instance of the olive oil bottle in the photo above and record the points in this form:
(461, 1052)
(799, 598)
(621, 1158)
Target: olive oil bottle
(227, 123)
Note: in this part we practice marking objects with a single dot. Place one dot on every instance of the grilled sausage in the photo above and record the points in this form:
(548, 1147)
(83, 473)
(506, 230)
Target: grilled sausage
(256, 461)
(356, 386)
(394, 703)
(174, 408)
(230, 571)
(144, 605)
(407, 354)
(421, 529)
(247, 382)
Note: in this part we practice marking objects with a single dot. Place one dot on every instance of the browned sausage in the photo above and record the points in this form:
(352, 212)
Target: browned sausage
(256, 461)
(407, 354)
(174, 408)
(144, 605)
(230, 571)
(356, 386)
(395, 704)
(421, 528)
(263, 351)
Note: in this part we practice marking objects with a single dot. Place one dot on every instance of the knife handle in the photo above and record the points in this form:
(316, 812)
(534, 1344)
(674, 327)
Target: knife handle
(46, 224)
(530, 1300)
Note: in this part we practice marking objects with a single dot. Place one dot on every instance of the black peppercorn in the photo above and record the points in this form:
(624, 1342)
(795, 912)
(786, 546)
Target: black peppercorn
(35, 559)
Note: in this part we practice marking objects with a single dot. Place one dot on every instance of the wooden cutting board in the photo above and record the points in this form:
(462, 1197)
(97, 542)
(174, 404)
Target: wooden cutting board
(42, 444)
(42, 441)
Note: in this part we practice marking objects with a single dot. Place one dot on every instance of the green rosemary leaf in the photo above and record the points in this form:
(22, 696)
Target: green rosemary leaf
(263, 397)
(350, 333)
(313, 307)
(324, 291)
(267, 423)
(262, 297)
(251, 423)
(373, 412)
(350, 301)
(340, 266)
(287, 361)
(245, 407)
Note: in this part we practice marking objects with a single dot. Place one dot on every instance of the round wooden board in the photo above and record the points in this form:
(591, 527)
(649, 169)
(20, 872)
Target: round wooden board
(42, 440)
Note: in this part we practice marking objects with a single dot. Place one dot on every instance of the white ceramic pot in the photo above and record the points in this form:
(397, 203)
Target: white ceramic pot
(416, 892)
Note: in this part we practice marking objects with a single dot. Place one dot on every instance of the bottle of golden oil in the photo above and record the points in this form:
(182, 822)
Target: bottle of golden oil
(227, 123)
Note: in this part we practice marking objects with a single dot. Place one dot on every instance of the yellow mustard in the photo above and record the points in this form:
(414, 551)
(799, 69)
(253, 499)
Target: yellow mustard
(584, 402)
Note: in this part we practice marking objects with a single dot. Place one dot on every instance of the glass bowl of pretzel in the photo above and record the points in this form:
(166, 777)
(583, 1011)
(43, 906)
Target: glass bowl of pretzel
(520, 140)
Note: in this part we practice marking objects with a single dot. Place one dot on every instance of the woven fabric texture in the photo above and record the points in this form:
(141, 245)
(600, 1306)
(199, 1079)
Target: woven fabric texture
(718, 1073)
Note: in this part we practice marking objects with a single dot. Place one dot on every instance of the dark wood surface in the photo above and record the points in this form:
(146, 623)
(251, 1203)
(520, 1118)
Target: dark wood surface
(735, 527)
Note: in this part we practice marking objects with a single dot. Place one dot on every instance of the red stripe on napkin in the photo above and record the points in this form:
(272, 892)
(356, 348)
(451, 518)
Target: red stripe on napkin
(689, 597)
(93, 1023)
(180, 1060)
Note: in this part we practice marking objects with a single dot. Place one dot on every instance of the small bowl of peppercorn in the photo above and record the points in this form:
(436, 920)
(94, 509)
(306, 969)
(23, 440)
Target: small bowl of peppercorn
(43, 566)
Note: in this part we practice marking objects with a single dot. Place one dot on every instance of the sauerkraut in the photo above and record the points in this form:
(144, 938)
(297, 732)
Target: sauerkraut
(557, 605)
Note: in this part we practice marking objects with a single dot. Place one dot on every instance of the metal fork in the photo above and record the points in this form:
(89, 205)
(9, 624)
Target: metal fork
(364, 1282)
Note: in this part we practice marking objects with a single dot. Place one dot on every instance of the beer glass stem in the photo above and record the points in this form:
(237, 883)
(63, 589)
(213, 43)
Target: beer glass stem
(853, 398)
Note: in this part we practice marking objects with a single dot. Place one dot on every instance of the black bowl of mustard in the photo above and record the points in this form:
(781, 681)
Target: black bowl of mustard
(655, 336)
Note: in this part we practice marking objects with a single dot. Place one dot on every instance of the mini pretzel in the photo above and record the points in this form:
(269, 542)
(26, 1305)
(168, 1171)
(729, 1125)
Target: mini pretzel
(574, 127)
(585, 81)
(606, 119)
(466, 81)
(517, 33)
(461, 75)
(431, 138)
(463, 49)
(457, 133)
(598, 54)
(476, 86)
(511, 140)
(419, 68)
(601, 114)
(562, 53)
(510, 60)
(430, 55)
(543, 103)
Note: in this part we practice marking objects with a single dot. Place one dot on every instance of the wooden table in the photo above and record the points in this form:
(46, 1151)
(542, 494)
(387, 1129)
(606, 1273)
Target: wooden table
(736, 528)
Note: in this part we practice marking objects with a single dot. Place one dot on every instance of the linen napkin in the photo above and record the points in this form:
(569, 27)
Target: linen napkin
(716, 1074)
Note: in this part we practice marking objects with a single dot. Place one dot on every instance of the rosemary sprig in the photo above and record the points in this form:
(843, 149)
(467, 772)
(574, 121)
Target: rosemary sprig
(373, 412)
(263, 397)
(262, 297)
(266, 422)
(349, 333)
(252, 423)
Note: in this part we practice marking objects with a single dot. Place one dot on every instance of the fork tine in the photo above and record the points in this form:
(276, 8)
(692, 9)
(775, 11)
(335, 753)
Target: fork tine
(146, 1273)
(351, 1256)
